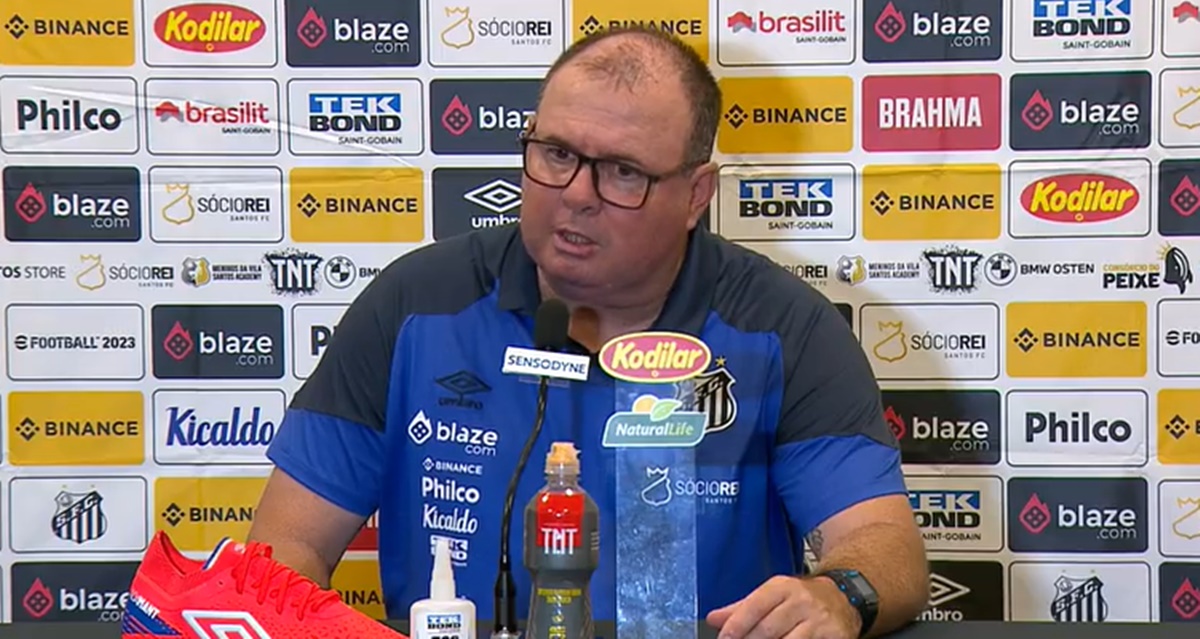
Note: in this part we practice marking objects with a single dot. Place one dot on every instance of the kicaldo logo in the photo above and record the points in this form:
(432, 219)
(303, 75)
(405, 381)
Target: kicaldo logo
(357, 205)
(209, 28)
(686, 19)
(66, 428)
(198, 512)
(358, 583)
(1076, 339)
(931, 202)
(787, 115)
(1178, 428)
(92, 33)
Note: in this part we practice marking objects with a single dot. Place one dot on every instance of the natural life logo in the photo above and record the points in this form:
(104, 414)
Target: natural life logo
(654, 422)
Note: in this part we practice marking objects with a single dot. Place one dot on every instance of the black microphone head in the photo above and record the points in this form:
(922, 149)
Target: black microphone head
(550, 325)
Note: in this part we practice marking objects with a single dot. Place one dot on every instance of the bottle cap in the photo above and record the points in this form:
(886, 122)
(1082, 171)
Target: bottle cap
(441, 583)
(562, 458)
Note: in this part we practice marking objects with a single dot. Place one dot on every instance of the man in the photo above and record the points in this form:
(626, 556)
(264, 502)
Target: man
(617, 178)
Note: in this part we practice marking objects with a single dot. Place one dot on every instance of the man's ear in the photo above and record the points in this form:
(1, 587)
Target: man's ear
(704, 186)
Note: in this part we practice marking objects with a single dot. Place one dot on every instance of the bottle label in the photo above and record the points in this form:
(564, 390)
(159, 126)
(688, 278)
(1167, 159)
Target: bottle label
(560, 523)
(441, 626)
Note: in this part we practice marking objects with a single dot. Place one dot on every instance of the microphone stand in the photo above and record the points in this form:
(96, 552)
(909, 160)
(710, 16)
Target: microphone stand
(505, 604)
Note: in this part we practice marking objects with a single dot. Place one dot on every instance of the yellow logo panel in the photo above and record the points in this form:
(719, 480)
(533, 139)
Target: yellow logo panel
(687, 19)
(1076, 339)
(1178, 426)
(197, 512)
(787, 115)
(70, 33)
(357, 205)
(63, 428)
(931, 202)
(357, 581)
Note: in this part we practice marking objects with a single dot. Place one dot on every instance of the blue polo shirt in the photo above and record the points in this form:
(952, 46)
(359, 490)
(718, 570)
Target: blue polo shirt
(409, 415)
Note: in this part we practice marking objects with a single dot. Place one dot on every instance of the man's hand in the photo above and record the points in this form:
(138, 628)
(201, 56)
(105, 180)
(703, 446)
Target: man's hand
(789, 608)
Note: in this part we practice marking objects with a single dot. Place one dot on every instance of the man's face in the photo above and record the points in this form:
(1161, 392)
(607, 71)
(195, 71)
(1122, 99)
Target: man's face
(576, 238)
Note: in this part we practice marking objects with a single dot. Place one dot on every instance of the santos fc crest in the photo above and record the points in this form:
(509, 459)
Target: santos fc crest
(711, 393)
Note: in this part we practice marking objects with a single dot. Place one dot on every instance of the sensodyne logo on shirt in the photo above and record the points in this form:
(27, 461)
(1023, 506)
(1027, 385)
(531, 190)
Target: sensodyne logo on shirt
(474, 440)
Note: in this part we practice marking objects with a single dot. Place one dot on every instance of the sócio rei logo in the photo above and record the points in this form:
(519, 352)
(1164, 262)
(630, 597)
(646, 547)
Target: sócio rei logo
(655, 357)
(209, 28)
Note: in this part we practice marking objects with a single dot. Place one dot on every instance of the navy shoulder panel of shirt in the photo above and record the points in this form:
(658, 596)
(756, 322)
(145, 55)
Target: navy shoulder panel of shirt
(833, 447)
(346, 396)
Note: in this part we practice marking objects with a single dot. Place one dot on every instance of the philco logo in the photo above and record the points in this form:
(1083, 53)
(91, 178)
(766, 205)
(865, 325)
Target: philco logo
(1080, 198)
(921, 31)
(787, 115)
(1067, 514)
(1080, 111)
(655, 357)
(1076, 339)
(685, 19)
(53, 428)
(200, 511)
(935, 202)
(209, 28)
(95, 33)
(931, 113)
(357, 205)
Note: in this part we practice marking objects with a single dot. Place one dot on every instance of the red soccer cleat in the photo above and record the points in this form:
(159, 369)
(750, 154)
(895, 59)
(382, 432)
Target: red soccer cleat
(239, 593)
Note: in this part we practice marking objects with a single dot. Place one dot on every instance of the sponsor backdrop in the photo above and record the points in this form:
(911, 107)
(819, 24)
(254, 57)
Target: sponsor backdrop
(1003, 196)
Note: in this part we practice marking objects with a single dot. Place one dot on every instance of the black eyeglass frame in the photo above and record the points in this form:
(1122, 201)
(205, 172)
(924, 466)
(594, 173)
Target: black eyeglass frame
(526, 138)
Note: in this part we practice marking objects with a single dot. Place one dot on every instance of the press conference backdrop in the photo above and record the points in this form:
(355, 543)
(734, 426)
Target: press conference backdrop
(1002, 197)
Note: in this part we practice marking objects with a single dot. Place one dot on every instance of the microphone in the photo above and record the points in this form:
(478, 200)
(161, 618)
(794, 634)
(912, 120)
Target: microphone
(550, 325)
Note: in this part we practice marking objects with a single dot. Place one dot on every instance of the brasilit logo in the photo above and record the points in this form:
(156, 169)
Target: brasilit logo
(1077, 515)
(1064, 111)
(479, 116)
(72, 204)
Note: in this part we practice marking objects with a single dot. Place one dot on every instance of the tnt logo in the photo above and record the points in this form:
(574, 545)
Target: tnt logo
(953, 270)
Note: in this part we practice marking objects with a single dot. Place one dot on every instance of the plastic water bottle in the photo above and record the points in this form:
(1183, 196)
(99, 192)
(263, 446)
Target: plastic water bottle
(562, 550)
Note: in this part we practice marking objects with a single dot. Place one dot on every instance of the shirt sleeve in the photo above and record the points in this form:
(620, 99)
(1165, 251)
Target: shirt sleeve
(833, 448)
(331, 439)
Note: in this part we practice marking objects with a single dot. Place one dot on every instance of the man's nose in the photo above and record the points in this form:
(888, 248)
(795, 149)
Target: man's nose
(580, 193)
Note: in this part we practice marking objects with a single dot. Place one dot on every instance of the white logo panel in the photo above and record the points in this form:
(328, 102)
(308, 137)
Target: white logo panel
(1179, 107)
(210, 204)
(68, 115)
(800, 202)
(1078, 428)
(1097, 198)
(1179, 513)
(75, 342)
(179, 33)
(78, 514)
(786, 32)
(216, 427)
(1179, 338)
(958, 513)
(932, 341)
(313, 326)
(1079, 592)
(494, 33)
(1057, 30)
(212, 117)
(355, 117)
(1181, 28)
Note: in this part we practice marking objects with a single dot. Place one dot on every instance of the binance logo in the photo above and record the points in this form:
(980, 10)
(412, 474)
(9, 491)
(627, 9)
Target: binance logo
(1178, 426)
(357, 581)
(60, 428)
(92, 33)
(787, 115)
(357, 205)
(200, 511)
(1076, 339)
(931, 202)
(686, 19)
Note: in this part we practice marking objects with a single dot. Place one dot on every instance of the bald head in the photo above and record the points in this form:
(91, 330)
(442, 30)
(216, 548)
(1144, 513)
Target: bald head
(630, 59)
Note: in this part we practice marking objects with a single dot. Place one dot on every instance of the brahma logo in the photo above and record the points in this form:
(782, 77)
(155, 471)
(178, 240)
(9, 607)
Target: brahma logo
(1064, 111)
(786, 32)
(1080, 199)
(787, 115)
(931, 113)
(655, 357)
(209, 28)
(1076, 339)
(953, 202)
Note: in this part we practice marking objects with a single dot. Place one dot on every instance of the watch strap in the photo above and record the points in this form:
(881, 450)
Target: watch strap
(859, 593)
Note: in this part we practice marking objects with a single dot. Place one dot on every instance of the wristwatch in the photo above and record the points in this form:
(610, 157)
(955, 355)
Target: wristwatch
(860, 593)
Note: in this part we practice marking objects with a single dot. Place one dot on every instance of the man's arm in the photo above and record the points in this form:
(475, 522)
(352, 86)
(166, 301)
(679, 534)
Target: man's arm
(329, 452)
(880, 539)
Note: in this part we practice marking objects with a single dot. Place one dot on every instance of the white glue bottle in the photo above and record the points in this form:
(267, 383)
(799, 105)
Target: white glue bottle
(443, 615)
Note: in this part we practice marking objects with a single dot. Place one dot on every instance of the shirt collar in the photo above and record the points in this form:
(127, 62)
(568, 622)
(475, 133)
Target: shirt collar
(687, 304)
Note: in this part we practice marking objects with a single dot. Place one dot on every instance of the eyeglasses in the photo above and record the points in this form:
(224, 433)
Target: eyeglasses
(616, 183)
